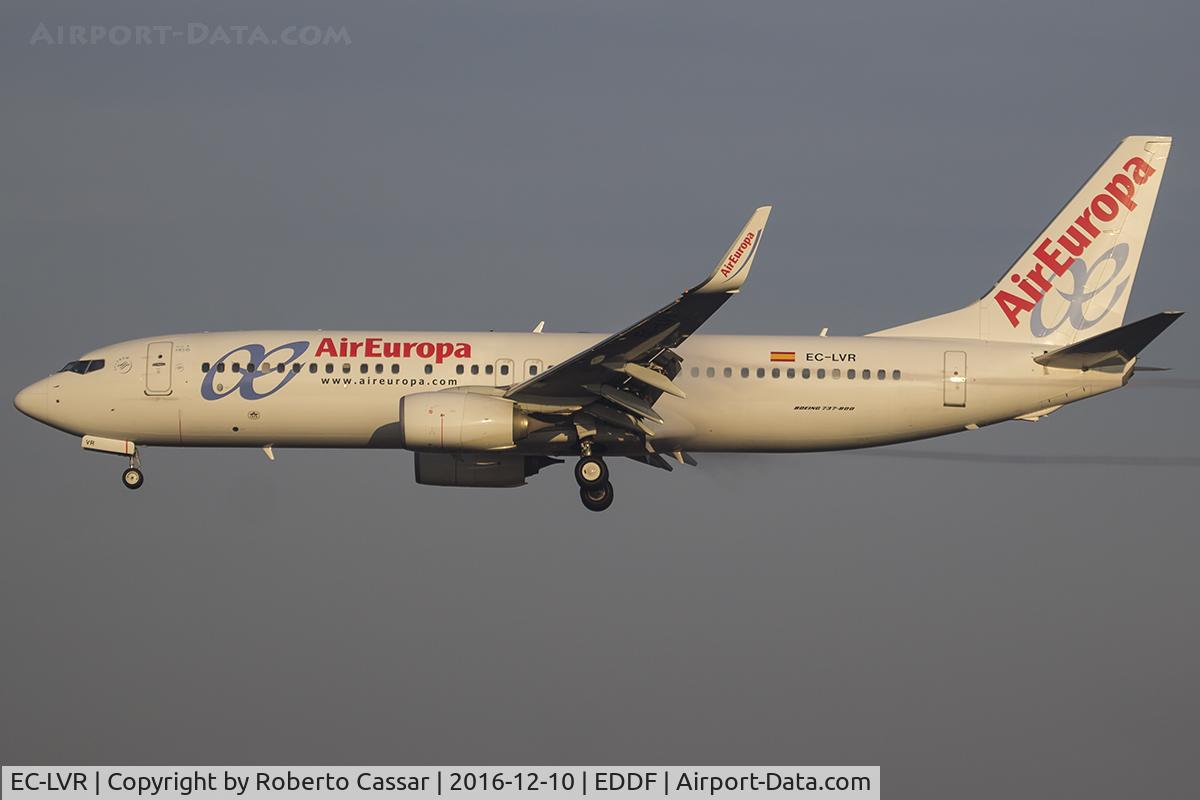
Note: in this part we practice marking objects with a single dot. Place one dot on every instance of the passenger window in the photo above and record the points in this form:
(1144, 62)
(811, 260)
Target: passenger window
(806, 373)
(459, 369)
(760, 372)
(363, 368)
(474, 369)
(728, 372)
(395, 369)
(346, 368)
(265, 367)
(880, 374)
(221, 366)
(297, 367)
(235, 367)
(837, 373)
(695, 372)
(313, 368)
(850, 374)
(504, 369)
(895, 374)
(791, 373)
(250, 367)
(866, 374)
(533, 369)
(710, 372)
(379, 368)
(329, 369)
(280, 369)
(429, 369)
(488, 369)
(775, 372)
(745, 372)
(821, 374)
(204, 367)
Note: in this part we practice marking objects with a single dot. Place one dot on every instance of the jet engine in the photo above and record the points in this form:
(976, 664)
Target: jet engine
(458, 421)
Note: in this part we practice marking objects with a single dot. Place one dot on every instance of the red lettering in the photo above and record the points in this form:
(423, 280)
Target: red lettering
(1141, 170)
(372, 350)
(732, 261)
(1051, 259)
(1074, 241)
(1026, 287)
(1084, 221)
(424, 349)
(326, 348)
(391, 349)
(408, 346)
(1121, 188)
(462, 350)
(1037, 277)
(444, 349)
(1104, 207)
(354, 348)
(1012, 306)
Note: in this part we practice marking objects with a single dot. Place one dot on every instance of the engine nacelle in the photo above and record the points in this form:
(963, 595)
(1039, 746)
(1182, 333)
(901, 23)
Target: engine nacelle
(476, 469)
(458, 421)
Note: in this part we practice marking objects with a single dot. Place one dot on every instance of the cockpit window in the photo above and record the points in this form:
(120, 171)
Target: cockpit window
(85, 366)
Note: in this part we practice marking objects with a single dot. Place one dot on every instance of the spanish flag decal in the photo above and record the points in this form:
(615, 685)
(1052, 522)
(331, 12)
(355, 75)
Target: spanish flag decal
(780, 355)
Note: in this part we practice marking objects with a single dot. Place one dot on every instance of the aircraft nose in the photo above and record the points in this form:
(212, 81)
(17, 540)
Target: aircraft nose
(31, 401)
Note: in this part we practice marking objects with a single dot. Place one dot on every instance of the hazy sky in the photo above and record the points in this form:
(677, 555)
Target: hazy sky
(1021, 622)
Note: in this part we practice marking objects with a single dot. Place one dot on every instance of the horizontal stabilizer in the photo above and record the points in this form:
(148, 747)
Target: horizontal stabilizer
(1115, 347)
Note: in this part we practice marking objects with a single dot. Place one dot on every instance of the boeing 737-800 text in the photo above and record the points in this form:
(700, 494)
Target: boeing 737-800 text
(492, 409)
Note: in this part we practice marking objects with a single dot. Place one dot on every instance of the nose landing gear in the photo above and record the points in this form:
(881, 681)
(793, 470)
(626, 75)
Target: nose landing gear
(132, 478)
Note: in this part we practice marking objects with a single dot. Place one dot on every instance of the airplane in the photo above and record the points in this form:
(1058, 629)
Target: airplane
(493, 409)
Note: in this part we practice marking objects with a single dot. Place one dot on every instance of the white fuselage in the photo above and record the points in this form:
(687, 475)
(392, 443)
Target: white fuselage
(342, 388)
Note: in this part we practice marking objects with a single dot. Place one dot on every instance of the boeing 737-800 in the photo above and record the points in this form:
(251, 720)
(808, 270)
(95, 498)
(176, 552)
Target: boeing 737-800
(492, 409)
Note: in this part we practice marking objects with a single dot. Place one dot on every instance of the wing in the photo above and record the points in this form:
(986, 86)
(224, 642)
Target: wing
(619, 379)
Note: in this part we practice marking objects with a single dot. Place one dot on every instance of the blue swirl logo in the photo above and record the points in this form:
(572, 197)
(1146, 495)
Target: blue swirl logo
(1080, 296)
(244, 383)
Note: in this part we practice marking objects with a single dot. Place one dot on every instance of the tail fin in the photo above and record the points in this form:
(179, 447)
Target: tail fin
(1074, 280)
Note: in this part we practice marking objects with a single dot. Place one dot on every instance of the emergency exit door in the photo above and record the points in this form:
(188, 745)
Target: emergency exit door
(954, 378)
(158, 368)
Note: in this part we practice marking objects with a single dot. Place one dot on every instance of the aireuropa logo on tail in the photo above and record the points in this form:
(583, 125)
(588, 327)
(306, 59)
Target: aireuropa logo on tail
(1074, 242)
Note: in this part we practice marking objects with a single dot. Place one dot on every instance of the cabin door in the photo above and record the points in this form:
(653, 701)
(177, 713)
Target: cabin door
(158, 368)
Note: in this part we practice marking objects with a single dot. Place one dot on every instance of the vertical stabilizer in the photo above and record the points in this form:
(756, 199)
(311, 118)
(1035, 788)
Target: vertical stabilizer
(1074, 280)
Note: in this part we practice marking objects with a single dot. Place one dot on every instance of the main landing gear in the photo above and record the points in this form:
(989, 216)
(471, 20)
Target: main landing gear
(595, 490)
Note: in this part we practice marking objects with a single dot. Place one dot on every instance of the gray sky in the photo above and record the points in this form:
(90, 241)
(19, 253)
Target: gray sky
(977, 626)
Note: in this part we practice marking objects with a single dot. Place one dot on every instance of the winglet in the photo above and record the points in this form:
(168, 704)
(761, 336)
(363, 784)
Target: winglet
(733, 269)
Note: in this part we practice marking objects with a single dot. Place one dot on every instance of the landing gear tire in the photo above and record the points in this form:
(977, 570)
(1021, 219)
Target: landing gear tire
(590, 472)
(596, 498)
(132, 478)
